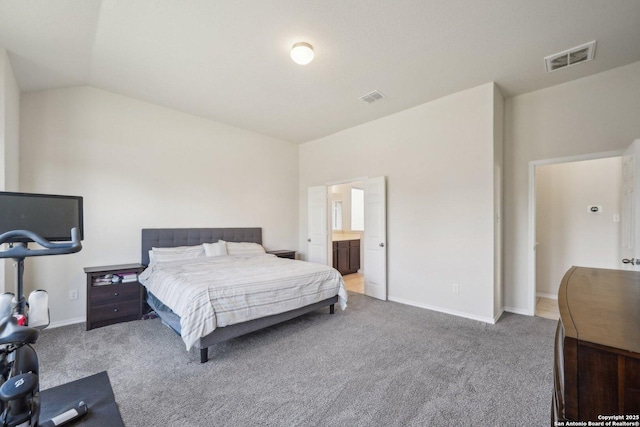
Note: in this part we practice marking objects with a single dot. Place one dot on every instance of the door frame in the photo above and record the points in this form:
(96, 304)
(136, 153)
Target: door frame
(531, 242)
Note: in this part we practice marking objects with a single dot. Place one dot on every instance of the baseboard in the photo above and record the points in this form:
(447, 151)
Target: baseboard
(67, 322)
(497, 316)
(444, 310)
(517, 311)
(549, 296)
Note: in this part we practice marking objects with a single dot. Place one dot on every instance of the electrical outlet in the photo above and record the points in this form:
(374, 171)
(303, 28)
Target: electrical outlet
(73, 294)
(456, 288)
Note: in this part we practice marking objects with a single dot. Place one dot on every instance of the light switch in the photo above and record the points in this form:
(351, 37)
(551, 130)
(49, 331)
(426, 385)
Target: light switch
(616, 217)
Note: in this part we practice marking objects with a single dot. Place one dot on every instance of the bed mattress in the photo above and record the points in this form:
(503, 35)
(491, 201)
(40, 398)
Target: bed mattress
(211, 292)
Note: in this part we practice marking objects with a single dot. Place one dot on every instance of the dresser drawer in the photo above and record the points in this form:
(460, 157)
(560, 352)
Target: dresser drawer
(114, 293)
(115, 310)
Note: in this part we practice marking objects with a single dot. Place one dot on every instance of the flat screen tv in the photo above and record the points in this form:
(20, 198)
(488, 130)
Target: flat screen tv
(51, 216)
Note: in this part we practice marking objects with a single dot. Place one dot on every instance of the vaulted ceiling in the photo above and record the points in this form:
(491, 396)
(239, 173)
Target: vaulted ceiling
(229, 60)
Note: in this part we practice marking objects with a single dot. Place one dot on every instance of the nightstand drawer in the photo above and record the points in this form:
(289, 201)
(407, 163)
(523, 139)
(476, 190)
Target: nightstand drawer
(114, 293)
(283, 254)
(115, 310)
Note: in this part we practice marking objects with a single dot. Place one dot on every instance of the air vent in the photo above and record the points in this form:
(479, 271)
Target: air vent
(372, 97)
(573, 56)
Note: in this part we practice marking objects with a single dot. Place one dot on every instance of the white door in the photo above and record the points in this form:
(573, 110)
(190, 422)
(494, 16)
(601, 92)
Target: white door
(318, 229)
(375, 238)
(630, 209)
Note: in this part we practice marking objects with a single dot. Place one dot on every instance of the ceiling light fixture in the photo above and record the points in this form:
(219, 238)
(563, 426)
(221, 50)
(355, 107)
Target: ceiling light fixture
(302, 53)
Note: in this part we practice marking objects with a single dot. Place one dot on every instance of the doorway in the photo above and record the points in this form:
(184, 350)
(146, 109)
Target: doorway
(574, 214)
(347, 233)
(361, 252)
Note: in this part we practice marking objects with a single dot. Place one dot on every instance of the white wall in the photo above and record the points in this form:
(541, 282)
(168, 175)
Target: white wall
(439, 162)
(567, 233)
(9, 125)
(595, 114)
(138, 165)
(9, 143)
(498, 167)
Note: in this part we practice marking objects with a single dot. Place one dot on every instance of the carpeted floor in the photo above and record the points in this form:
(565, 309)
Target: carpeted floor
(375, 364)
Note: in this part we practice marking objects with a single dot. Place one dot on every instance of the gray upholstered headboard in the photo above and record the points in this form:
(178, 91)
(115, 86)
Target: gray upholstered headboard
(172, 237)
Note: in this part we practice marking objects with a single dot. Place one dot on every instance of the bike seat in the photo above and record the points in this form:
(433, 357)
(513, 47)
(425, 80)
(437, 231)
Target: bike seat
(18, 386)
(12, 333)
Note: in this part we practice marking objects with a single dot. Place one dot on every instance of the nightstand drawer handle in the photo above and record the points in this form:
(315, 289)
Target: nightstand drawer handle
(115, 294)
(115, 309)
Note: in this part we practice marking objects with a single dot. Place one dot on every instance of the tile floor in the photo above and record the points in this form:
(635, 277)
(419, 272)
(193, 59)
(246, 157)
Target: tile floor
(354, 282)
(547, 308)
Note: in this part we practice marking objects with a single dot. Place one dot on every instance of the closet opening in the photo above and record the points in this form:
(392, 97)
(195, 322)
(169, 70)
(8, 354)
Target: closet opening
(576, 221)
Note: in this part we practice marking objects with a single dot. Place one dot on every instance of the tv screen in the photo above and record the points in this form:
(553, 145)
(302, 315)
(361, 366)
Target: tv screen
(50, 216)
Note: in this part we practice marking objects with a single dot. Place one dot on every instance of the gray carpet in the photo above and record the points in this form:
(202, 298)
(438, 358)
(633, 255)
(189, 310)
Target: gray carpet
(375, 364)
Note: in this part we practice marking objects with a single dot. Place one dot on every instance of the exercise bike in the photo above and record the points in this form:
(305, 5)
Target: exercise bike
(20, 324)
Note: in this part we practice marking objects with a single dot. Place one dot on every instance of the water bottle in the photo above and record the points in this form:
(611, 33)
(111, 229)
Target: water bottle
(38, 315)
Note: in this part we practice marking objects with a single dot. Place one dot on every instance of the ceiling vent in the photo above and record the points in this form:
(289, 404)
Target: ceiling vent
(573, 56)
(372, 97)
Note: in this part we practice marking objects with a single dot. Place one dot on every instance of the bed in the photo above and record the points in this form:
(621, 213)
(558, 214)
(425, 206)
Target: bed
(193, 276)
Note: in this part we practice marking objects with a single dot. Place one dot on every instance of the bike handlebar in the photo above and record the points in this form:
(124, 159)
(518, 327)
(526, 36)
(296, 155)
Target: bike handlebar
(51, 248)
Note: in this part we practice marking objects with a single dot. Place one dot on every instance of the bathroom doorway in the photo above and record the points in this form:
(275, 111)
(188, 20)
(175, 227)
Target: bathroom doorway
(365, 244)
(347, 233)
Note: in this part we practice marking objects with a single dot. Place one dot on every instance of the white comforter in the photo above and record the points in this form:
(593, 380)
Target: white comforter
(212, 292)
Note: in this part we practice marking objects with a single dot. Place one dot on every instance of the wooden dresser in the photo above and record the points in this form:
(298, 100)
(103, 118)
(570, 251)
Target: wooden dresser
(597, 348)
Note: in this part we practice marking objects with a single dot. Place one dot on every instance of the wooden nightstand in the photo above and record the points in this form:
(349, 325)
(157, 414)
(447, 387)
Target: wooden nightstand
(284, 254)
(109, 303)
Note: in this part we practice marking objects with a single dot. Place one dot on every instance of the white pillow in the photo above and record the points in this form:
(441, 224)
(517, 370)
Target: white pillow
(244, 248)
(218, 248)
(178, 253)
